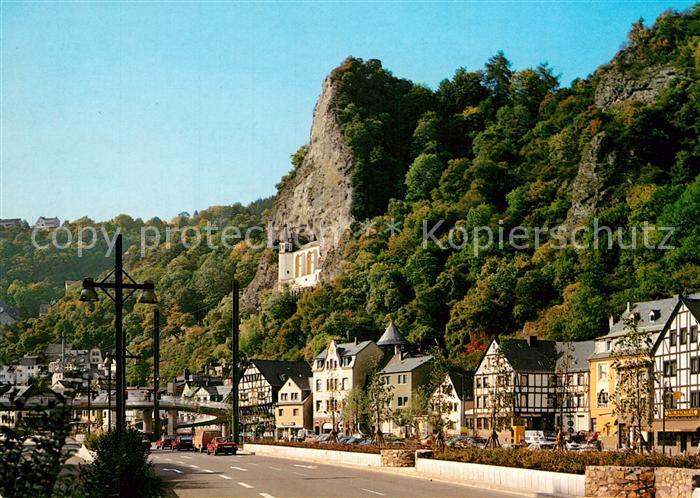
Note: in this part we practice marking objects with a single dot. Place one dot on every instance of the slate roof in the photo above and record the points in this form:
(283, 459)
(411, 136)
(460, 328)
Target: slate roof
(346, 349)
(29, 361)
(9, 309)
(398, 364)
(277, 372)
(525, 358)
(392, 337)
(579, 352)
(302, 382)
(464, 386)
(662, 308)
(55, 349)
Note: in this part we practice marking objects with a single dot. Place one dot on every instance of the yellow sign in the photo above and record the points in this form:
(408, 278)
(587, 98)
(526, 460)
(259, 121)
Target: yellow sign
(686, 413)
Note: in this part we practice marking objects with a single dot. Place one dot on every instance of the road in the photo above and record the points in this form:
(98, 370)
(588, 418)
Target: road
(195, 474)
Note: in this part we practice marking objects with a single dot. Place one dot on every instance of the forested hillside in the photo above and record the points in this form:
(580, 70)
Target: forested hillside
(492, 147)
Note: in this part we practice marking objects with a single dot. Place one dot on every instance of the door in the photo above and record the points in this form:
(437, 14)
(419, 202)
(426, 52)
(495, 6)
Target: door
(684, 442)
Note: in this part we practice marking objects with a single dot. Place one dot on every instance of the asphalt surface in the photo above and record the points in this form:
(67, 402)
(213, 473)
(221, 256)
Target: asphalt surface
(195, 474)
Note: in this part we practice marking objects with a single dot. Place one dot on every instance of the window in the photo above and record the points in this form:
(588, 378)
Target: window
(670, 368)
(283, 396)
(523, 400)
(281, 412)
(684, 335)
(402, 400)
(602, 399)
(295, 412)
(319, 363)
(478, 401)
(478, 382)
(295, 396)
(593, 425)
(523, 380)
(403, 378)
(386, 380)
(486, 382)
(579, 401)
(345, 383)
(603, 371)
(551, 400)
(695, 399)
(319, 384)
(672, 337)
(695, 365)
(318, 405)
(693, 333)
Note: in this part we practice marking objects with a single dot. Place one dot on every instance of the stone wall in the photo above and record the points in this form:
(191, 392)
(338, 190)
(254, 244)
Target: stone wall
(398, 458)
(675, 483)
(619, 482)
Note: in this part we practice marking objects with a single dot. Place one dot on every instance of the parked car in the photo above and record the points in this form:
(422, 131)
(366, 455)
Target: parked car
(165, 442)
(222, 445)
(202, 437)
(323, 438)
(182, 443)
(427, 440)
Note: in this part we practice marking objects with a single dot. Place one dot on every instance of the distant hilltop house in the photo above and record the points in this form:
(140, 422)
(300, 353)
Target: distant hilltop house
(47, 222)
(299, 265)
(10, 222)
(8, 314)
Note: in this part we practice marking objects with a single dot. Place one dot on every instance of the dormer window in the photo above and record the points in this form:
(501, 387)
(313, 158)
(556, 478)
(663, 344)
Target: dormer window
(654, 315)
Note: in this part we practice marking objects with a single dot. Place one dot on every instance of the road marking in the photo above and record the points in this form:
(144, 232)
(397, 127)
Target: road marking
(265, 495)
(373, 492)
(186, 457)
(208, 471)
(173, 470)
(194, 466)
(168, 459)
(299, 473)
(251, 463)
(239, 468)
(274, 468)
(248, 486)
(306, 466)
(181, 462)
(225, 477)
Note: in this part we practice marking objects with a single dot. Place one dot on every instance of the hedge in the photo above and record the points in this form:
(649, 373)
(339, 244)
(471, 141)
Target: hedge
(570, 462)
(354, 448)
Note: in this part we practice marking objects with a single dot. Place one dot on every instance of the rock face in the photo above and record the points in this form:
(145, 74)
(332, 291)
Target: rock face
(588, 190)
(597, 164)
(616, 87)
(315, 202)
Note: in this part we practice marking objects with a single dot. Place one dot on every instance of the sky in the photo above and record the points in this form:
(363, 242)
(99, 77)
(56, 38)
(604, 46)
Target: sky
(153, 108)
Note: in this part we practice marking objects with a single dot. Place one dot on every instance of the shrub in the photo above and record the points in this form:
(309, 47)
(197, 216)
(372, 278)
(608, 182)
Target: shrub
(324, 446)
(571, 462)
(120, 470)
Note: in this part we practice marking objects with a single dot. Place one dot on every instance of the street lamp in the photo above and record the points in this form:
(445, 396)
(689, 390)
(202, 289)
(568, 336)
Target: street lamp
(108, 365)
(235, 320)
(89, 294)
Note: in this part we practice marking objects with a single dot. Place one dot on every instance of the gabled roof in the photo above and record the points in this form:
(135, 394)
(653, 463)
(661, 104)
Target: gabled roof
(9, 309)
(277, 372)
(55, 349)
(346, 349)
(29, 361)
(579, 353)
(209, 389)
(302, 383)
(662, 308)
(463, 383)
(399, 363)
(392, 337)
(524, 357)
(691, 302)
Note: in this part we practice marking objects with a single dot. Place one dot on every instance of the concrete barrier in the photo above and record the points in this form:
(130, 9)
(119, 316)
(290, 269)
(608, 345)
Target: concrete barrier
(316, 455)
(504, 478)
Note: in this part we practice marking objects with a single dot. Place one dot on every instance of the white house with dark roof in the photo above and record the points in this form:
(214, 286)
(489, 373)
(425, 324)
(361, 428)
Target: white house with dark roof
(294, 408)
(47, 223)
(337, 370)
(677, 394)
(455, 395)
(573, 386)
(8, 313)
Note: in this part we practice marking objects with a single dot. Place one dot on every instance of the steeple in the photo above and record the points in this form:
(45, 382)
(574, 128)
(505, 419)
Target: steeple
(392, 337)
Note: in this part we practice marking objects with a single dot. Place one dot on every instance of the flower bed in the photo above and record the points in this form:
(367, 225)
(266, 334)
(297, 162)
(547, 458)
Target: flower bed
(570, 462)
(323, 446)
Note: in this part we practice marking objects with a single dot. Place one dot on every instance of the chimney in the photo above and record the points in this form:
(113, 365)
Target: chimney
(356, 340)
(629, 306)
(611, 322)
(532, 341)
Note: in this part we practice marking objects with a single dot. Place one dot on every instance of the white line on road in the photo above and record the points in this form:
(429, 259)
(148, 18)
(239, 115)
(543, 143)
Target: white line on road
(373, 492)
(275, 468)
(265, 495)
(181, 462)
(299, 473)
(194, 466)
(239, 468)
(186, 457)
(225, 477)
(305, 466)
(173, 470)
(256, 464)
(208, 471)
(248, 486)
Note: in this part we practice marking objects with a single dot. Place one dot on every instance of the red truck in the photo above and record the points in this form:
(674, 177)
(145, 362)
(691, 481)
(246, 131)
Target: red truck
(222, 445)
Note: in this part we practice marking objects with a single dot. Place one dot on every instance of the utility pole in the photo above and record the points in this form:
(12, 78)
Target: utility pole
(234, 361)
(156, 372)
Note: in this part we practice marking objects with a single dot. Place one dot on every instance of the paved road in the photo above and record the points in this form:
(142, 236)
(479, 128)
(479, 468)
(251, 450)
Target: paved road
(196, 474)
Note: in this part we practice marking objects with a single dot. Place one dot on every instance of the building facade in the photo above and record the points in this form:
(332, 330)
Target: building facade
(336, 371)
(406, 374)
(294, 409)
(573, 386)
(298, 267)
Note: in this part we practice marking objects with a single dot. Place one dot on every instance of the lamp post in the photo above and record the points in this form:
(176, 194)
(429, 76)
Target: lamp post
(89, 294)
(108, 364)
(234, 361)
(156, 373)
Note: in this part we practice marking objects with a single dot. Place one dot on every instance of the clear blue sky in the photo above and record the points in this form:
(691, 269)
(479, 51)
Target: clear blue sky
(155, 108)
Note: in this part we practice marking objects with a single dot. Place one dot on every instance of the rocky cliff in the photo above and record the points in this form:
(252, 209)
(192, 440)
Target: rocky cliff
(598, 162)
(314, 202)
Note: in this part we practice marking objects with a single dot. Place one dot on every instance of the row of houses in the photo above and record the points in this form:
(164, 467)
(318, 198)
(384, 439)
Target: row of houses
(42, 222)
